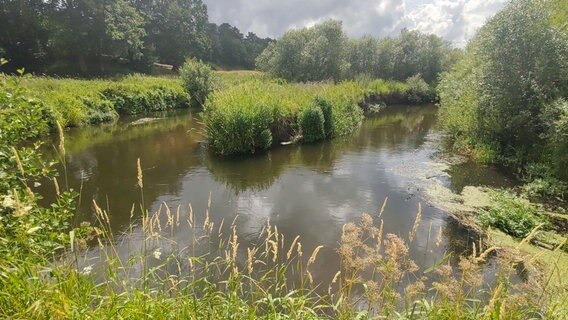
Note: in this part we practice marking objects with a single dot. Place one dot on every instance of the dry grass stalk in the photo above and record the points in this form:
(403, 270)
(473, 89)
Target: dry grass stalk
(61, 139)
(56, 184)
(139, 175)
(314, 255)
(440, 237)
(412, 233)
(289, 254)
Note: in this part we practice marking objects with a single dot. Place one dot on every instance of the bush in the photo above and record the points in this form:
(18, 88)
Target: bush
(327, 110)
(79, 102)
(311, 122)
(418, 90)
(21, 117)
(511, 215)
(198, 80)
(28, 231)
(134, 99)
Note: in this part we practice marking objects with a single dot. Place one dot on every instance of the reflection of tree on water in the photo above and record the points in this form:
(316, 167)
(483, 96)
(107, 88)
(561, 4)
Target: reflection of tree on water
(101, 163)
(394, 126)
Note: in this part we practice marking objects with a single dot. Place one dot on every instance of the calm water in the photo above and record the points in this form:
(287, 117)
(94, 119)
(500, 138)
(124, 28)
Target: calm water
(307, 190)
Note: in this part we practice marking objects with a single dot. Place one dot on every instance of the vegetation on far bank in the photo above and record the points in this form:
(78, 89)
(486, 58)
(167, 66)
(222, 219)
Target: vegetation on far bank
(82, 102)
(324, 52)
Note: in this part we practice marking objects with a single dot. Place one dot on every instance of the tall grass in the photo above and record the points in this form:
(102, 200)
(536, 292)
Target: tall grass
(79, 102)
(214, 276)
(254, 115)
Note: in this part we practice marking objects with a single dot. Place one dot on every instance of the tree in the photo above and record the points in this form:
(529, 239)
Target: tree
(88, 30)
(23, 34)
(363, 56)
(308, 54)
(176, 29)
(510, 84)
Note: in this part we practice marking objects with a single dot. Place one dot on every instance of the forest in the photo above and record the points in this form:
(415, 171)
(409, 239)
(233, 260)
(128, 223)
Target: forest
(90, 37)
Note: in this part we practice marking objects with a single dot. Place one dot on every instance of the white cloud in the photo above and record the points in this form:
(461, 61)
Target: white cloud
(454, 20)
(457, 21)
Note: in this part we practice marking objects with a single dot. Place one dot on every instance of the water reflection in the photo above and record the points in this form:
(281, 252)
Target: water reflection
(306, 190)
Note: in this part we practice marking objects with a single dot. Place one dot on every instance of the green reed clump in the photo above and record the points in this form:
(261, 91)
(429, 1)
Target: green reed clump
(253, 115)
(241, 119)
(312, 124)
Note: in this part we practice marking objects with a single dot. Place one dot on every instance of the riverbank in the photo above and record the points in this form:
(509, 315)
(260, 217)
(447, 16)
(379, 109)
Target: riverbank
(532, 237)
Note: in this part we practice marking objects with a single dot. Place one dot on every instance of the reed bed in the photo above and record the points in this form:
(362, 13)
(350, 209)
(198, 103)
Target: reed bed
(257, 114)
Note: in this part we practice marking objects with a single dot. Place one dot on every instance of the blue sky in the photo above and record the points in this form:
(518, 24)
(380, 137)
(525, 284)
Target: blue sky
(455, 20)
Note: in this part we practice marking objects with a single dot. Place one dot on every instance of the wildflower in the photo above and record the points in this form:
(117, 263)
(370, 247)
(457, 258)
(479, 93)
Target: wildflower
(87, 270)
(8, 202)
(157, 254)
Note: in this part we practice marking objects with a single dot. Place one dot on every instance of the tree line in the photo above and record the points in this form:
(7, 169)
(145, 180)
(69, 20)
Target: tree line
(325, 52)
(98, 36)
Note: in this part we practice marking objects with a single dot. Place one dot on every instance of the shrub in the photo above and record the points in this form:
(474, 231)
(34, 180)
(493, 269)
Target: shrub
(198, 80)
(327, 110)
(418, 90)
(311, 122)
(133, 99)
(21, 116)
(504, 91)
(511, 215)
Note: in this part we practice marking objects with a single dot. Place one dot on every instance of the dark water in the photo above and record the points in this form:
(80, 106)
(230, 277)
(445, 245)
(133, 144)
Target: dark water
(307, 190)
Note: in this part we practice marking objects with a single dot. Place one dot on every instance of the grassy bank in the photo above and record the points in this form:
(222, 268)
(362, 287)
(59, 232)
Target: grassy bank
(81, 102)
(255, 115)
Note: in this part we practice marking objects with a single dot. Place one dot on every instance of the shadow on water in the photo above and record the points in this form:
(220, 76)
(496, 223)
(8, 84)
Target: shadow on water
(306, 190)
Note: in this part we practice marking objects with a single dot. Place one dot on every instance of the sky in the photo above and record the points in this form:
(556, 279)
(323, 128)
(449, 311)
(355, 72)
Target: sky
(454, 20)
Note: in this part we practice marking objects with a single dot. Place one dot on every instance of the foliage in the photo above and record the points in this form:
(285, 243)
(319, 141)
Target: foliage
(198, 80)
(511, 215)
(176, 29)
(133, 96)
(242, 118)
(418, 90)
(21, 116)
(312, 124)
(89, 37)
(80, 102)
(323, 52)
(506, 92)
(231, 49)
(27, 229)
(308, 54)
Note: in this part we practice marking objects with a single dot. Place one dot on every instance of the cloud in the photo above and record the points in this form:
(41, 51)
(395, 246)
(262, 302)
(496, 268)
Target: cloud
(457, 21)
(454, 20)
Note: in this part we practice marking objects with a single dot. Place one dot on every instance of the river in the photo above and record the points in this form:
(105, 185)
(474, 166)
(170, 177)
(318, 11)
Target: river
(306, 190)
